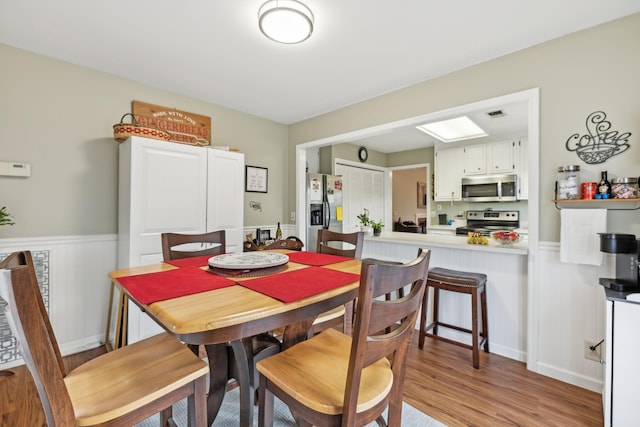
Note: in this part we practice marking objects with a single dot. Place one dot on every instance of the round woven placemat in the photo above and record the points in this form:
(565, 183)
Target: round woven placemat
(256, 272)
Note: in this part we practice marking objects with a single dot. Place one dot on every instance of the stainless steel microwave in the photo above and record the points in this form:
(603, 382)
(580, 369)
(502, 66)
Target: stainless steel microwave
(490, 188)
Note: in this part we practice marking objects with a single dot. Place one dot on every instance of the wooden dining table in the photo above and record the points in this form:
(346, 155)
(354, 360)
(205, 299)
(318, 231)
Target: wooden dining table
(232, 314)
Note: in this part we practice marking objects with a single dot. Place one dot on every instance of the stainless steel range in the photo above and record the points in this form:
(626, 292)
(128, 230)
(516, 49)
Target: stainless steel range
(487, 221)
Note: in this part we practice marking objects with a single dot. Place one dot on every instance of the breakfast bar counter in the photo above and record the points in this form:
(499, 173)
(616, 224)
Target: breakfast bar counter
(446, 241)
(506, 270)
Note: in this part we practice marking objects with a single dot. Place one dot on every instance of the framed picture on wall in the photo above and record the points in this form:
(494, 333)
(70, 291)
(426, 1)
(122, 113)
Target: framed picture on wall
(255, 179)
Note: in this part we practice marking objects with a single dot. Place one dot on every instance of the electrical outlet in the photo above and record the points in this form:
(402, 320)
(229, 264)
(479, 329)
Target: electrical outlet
(439, 207)
(594, 354)
(292, 216)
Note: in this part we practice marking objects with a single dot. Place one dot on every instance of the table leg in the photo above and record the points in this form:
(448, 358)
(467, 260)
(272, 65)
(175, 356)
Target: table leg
(218, 369)
(244, 378)
(296, 333)
(219, 373)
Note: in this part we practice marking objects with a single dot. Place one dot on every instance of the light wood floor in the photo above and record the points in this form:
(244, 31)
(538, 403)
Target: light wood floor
(440, 382)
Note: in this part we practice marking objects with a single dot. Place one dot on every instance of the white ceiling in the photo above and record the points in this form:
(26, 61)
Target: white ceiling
(212, 50)
(513, 123)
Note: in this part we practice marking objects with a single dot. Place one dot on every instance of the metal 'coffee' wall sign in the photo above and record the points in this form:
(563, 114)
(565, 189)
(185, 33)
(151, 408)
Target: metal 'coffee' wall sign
(600, 142)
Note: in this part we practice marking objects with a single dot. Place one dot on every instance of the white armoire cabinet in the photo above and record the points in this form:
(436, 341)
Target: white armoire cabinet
(172, 187)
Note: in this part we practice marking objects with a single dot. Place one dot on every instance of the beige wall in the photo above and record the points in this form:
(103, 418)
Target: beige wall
(59, 118)
(348, 152)
(595, 69)
(411, 157)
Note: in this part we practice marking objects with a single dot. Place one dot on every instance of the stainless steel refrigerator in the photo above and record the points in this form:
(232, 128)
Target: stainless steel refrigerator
(324, 206)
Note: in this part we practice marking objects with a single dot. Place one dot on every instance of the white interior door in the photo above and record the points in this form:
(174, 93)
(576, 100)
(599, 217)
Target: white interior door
(363, 188)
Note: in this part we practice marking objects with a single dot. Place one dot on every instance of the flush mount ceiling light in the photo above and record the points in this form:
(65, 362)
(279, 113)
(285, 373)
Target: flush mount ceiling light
(285, 21)
(451, 130)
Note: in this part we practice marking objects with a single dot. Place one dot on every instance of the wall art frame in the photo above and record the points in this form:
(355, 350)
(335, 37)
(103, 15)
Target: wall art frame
(256, 179)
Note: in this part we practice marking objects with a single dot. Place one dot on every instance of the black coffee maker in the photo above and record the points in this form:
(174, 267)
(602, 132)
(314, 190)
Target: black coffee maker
(627, 251)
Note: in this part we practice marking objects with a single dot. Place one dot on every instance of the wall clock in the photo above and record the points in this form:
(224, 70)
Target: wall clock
(363, 154)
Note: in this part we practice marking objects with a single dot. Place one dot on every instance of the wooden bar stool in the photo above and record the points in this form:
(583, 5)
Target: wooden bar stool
(462, 282)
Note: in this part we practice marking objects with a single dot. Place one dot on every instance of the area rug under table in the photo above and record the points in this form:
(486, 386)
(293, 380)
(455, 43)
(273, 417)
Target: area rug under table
(228, 415)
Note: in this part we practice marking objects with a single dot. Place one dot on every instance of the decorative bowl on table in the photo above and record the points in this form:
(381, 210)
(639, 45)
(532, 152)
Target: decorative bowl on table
(506, 238)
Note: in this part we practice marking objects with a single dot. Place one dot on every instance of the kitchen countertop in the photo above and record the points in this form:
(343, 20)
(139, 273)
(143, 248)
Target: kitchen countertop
(444, 241)
(622, 296)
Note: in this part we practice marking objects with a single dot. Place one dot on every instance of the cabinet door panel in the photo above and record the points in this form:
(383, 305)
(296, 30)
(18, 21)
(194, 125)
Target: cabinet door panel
(501, 157)
(162, 188)
(158, 181)
(225, 196)
(449, 169)
(475, 159)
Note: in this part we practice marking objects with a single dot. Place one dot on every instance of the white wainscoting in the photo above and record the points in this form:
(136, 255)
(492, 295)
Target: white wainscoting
(78, 286)
(571, 309)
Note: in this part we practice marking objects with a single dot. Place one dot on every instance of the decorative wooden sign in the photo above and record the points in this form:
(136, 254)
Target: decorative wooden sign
(186, 128)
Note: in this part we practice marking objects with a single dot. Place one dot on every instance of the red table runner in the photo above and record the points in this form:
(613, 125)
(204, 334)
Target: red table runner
(152, 287)
(196, 261)
(316, 259)
(298, 284)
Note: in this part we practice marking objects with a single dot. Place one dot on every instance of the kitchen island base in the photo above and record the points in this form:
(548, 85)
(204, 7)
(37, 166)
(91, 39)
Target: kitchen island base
(506, 287)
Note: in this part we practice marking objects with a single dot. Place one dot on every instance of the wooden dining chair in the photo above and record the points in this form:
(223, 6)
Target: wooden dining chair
(214, 243)
(178, 245)
(122, 387)
(333, 379)
(174, 246)
(342, 244)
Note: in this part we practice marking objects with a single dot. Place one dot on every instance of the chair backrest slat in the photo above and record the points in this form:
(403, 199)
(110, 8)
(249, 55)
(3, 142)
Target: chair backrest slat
(30, 324)
(212, 243)
(343, 244)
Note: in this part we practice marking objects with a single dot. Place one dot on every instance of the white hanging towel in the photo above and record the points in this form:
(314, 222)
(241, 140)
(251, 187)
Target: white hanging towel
(579, 240)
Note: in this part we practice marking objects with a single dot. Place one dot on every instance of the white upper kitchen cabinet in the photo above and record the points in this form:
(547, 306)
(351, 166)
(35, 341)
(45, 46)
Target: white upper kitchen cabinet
(501, 157)
(448, 173)
(475, 160)
(178, 188)
(492, 158)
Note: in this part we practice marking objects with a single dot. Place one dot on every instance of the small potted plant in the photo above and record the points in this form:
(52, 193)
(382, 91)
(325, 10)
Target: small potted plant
(377, 227)
(364, 220)
(5, 217)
